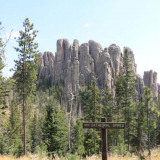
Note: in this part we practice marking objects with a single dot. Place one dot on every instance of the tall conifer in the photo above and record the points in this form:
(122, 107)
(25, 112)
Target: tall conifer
(125, 96)
(92, 113)
(26, 67)
(55, 130)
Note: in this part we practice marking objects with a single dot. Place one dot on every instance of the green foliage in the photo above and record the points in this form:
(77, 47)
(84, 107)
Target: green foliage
(36, 132)
(41, 150)
(26, 71)
(121, 148)
(3, 87)
(108, 103)
(125, 97)
(15, 130)
(3, 107)
(140, 120)
(78, 144)
(91, 103)
(4, 144)
(89, 143)
(91, 98)
(151, 113)
(26, 66)
(55, 130)
(71, 157)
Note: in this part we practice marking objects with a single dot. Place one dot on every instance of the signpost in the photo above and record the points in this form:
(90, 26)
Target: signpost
(103, 125)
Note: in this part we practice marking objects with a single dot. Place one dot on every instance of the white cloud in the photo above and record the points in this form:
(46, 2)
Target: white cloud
(86, 25)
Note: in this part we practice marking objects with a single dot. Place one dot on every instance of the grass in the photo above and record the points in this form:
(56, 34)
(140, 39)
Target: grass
(155, 156)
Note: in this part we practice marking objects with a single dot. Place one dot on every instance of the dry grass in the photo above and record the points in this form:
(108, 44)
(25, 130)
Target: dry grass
(155, 156)
(30, 157)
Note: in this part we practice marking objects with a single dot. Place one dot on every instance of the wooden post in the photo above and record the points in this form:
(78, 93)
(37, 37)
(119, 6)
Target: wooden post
(103, 125)
(104, 141)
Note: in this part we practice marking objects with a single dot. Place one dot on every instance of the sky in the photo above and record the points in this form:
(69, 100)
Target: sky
(132, 23)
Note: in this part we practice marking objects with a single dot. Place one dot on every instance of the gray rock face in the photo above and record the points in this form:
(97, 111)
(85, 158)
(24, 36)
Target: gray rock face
(140, 87)
(150, 80)
(158, 88)
(104, 69)
(46, 68)
(59, 61)
(132, 60)
(95, 49)
(86, 67)
(116, 58)
(77, 65)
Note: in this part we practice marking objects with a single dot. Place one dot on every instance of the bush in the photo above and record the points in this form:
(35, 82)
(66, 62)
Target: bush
(71, 157)
(41, 150)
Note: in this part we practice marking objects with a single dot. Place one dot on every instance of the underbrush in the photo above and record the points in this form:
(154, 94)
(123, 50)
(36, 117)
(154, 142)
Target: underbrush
(42, 156)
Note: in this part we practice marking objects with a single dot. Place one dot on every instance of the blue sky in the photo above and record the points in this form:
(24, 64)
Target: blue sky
(133, 23)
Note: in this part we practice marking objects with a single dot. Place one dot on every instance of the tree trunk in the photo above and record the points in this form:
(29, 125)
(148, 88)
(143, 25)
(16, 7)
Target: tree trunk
(94, 118)
(148, 125)
(24, 109)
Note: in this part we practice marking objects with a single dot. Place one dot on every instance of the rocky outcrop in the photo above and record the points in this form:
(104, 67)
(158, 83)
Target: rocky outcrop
(158, 88)
(104, 69)
(116, 58)
(131, 59)
(150, 80)
(95, 49)
(139, 87)
(67, 65)
(86, 67)
(46, 68)
(77, 65)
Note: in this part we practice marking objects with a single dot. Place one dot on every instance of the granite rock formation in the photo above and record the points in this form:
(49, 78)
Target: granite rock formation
(150, 80)
(76, 65)
(158, 88)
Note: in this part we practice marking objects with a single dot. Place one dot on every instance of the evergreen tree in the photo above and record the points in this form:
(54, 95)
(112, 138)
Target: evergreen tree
(92, 109)
(78, 145)
(108, 103)
(108, 111)
(125, 97)
(15, 130)
(140, 140)
(55, 130)
(158, 123)
(91, 99)
(3, 107)
(3, 89)
(147, 113)
(150, 111)
(26, 68)
(36, 132)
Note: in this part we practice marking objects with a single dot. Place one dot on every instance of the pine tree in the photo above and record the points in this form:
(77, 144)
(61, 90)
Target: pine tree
(158, 121)
(108, 104)
(91, 99)
(3, 107)
(26, 68)
(78, 144)
(108, 111)
(125, 97)
(146, 122)
(140, 141)
(55, 130)
(36, 132)
(148, 102)
(15, 130)
(3, 88)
